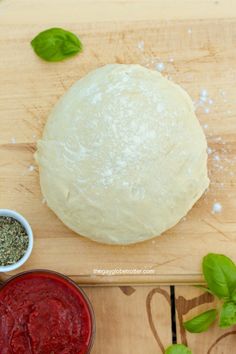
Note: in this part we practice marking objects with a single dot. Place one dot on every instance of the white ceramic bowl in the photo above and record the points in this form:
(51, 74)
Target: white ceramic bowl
(25, 224)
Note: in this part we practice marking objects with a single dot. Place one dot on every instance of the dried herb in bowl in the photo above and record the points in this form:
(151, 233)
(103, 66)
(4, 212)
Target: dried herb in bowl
(14, 240)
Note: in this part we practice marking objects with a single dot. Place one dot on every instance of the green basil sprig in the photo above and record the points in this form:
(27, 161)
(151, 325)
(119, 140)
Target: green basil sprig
(178, 349)
(56, 44)
(220, 274)
(228, 315)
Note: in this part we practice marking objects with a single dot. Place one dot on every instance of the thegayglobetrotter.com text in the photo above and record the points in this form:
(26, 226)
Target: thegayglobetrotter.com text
(119, 271)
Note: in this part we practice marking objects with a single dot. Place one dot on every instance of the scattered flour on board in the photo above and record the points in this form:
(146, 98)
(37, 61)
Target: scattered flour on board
(221, 163)
(221, 160)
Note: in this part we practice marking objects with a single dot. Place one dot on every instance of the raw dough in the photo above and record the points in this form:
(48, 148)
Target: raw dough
(123, 157)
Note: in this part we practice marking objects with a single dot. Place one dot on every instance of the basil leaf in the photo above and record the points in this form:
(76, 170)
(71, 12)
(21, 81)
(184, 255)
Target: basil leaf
(56, 44)
(220, 274)
(201, 287)
(178, 349)
(233, 296)
(228, 315)
(201, 322)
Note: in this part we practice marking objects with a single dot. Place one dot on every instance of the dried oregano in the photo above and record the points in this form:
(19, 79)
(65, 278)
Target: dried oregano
(13, 241)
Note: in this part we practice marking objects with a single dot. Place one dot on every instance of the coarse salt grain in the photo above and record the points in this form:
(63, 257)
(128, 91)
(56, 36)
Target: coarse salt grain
(216, 208)
(218, 138)
(203, 98)
(203, 93)
(222, 93)
(160, 66)
(13, 140)
(141, 45)
(31, 168)
(216, 158)
(209, 150)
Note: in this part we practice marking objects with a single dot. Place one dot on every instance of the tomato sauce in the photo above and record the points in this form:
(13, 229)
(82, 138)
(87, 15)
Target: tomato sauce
(44, 313)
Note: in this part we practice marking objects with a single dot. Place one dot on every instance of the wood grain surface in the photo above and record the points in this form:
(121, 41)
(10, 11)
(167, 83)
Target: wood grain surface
(129, 319)
(137, 320)
(198, 51)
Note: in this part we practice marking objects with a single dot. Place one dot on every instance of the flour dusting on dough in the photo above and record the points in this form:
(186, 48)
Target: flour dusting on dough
(123, 156)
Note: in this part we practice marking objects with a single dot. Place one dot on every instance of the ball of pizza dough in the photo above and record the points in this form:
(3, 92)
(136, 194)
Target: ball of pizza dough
(123, 157)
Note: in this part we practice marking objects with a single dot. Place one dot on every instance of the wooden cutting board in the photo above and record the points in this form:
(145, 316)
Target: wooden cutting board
(198, 52)
(118, 321)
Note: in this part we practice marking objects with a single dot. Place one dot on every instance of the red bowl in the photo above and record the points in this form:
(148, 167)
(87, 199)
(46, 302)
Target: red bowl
(44, 311)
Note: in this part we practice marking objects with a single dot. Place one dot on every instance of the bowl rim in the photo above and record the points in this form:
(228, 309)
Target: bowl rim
(69, 280)
(19, 217)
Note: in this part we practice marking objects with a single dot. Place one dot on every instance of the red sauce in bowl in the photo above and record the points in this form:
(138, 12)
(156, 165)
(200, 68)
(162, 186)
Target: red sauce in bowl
(44, 313)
